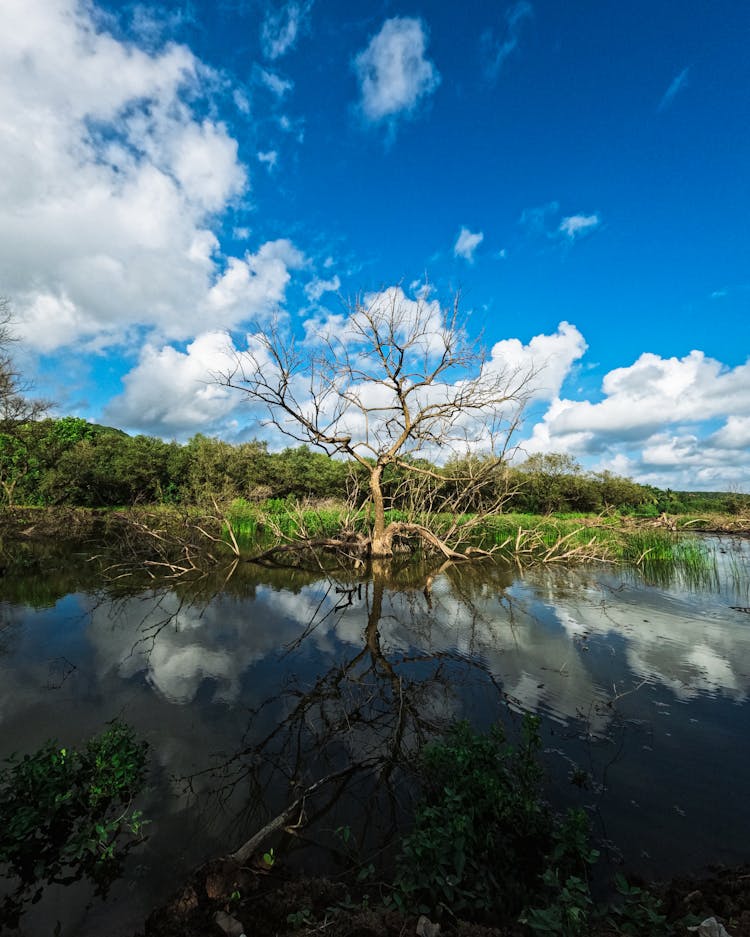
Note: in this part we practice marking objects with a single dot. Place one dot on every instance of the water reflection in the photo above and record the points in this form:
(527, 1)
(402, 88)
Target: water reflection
(251, 686)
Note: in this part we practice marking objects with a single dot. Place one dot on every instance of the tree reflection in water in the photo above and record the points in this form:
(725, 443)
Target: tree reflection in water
(362, 722)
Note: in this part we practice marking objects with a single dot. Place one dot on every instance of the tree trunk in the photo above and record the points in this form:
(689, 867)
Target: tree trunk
(381, 543)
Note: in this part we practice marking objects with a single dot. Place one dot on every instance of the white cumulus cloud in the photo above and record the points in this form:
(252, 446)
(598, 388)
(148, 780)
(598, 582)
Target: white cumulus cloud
(253, 288)
(393, 71)
(110, 188)
(549, 357)
(171, 393)
(317, 287)
(658, 416)
(734, 434)
(654, 389)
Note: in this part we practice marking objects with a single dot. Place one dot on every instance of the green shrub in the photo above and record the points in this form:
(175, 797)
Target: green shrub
(485, 846)
(565, 904)
(481, 832)
(569, 909)
(639, 912)
(67, 815)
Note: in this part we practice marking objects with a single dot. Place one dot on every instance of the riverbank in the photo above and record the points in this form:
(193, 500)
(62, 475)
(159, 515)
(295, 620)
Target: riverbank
(612, 536)
(484, 855)
(220, 896)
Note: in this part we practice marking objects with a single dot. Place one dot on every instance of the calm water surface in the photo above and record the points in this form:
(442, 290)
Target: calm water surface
(288, 675)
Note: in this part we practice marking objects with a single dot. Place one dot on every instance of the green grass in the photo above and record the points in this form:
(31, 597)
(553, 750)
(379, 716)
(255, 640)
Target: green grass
(256, 525)
(658, 553)
(525, 538)
(530, 533)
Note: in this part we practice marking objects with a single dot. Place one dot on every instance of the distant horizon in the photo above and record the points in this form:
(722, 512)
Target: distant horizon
(175, 173)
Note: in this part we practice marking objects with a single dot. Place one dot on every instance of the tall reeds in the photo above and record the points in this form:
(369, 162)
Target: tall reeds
(520, 538)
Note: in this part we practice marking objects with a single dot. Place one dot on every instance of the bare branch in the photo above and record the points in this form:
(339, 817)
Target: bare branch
(16, 407)
(399, 384)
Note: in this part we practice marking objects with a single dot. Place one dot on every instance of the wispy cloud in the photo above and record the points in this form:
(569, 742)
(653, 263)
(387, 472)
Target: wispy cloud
(466, 243)
(536, 219)
(282, 26)
(497, 47)
(269, 157)
(678, 83)
(153, 23)
(542, 221)
(275, 83)
(394, 72)
(576, 225)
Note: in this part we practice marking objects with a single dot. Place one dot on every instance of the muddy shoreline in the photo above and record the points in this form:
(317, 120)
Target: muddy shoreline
(277, 903)
(19, 524)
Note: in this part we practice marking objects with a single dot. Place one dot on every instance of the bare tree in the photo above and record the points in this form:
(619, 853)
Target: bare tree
(16, 407)
(393, 383)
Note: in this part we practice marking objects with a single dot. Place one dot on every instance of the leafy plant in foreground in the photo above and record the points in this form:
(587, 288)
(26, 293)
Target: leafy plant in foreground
(569, 909)
(67, 815)
(568, 906)
(639, 911)
(482, 830)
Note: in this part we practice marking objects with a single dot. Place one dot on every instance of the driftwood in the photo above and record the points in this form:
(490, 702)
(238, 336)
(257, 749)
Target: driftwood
(245, 852)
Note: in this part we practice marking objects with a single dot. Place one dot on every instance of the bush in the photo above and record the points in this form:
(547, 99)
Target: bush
(486, 847)
(481, 831)
(67, 815)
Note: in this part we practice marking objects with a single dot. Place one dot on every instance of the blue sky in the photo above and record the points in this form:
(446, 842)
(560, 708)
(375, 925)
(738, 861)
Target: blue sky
(173, 173)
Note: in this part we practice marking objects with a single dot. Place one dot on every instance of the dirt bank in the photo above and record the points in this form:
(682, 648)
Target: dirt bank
(271, 903)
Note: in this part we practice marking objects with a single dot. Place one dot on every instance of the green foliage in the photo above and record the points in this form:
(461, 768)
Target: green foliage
(639, 912)
(67, 431)
(485, 846)
(481, 831)
(553, 482)
(67, 815)
(566, 904)
(18, 465)
(569, 910)
(109, 469)
(302, 918)
(571, 844)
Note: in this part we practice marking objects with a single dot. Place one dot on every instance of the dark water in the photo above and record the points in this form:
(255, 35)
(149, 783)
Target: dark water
(247, 686)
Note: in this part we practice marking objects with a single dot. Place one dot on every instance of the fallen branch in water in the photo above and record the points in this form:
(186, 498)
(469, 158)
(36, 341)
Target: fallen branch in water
(242, 855)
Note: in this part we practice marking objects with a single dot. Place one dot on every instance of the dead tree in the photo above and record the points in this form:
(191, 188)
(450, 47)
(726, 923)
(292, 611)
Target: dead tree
(16, 408)
(395, 384)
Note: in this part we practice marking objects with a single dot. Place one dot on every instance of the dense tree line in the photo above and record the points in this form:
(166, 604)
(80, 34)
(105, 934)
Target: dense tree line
(553, 482)
(69, 461)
